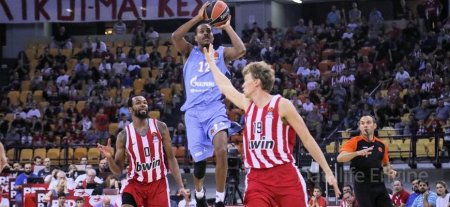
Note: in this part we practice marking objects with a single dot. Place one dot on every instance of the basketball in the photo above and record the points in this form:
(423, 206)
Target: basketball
(217, 13)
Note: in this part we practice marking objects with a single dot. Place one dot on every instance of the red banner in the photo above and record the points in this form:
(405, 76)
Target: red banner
(31, 11)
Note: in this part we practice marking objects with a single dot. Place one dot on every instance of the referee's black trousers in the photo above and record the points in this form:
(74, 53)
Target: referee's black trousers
(372, 195)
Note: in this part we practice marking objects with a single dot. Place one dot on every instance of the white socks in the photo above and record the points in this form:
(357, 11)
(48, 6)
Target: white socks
(220, 196)
(200, 194)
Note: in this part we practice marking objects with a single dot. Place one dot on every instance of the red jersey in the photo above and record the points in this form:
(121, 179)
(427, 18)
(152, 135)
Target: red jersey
(267, 140)
(145, 154)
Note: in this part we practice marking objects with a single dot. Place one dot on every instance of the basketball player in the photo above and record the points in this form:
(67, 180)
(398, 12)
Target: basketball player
(271, 123)
(145, 141)
(205, 114)
(369, 161)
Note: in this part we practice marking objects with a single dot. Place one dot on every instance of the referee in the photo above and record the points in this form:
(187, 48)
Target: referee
(369, 161)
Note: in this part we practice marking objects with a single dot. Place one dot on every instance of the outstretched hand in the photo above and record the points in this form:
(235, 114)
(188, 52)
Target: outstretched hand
(107, 150)
(209, 54)
(331, 180)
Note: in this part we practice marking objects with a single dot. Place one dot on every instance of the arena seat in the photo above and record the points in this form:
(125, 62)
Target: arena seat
(138, 85)
(95, 62)
(54, 155)
(112, 128)
(25, 85)
(154, 114)
(112, 92)
(126, 93)
(393, 150)
(80, 106)
(26, 155)
(167, 95)
(145, 73)
(10, 154)
(67, 104)
(327, 53)
(14, 97)
(155, 73)
(421, 149)
(365, 51)
(178, 89)
(93, 155)
(79, 152)
(10, 117)
(330, 147)
(42, 105)
(41, 152)
(69, 156)
(23, 96)
(38, 96)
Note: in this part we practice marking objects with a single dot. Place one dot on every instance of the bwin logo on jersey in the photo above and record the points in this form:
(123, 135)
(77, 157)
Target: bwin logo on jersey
(260, 144)
(147, 166)
(155, 137)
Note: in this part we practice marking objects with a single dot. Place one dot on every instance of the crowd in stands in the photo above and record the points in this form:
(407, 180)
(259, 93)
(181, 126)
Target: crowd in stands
(328, 70)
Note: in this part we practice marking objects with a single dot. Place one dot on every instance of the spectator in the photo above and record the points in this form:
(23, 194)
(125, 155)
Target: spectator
(138, 32)
(61, 187)
(61, 199)
(179, 135)
(79, 202)
(402, 10)
(443, 198)
(400, 196)
(317, 200)
(103, 167)
(348, 197)
(151, 37)
(110, 182)
(20, 180)
(98, 48)
(102, 123)
(354, 16)
(47, 170)
(89, 181)
(120, 28)
(376, 21)
(62, 39)
(333, 17)
(426, 197)
(106, 202)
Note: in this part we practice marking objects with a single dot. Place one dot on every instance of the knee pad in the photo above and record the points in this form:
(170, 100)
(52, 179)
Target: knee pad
(200, 169)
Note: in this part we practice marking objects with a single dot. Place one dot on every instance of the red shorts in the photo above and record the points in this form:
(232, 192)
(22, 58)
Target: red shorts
(281, 186)
(155, 193)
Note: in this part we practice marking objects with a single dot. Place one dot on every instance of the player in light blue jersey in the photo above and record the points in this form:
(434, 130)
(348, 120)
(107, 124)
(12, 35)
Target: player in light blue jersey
(205, 114)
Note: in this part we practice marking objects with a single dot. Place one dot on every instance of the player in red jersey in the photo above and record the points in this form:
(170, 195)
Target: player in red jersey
(271, 123)
(145, 141)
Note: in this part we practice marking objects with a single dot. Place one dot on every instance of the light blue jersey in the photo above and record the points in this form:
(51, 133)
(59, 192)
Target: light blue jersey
(206, 114)
(199, 83)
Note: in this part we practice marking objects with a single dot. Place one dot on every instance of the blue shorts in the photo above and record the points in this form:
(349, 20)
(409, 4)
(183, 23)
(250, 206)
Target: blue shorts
(202, 124)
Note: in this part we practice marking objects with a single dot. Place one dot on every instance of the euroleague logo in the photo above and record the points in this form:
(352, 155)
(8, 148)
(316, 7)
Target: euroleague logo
(380, 149)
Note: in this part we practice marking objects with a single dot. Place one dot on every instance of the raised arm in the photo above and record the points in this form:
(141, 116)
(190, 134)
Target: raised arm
(224, 83)
(178, 40)
(116, 164)
(288, 112)
(171, 160)
(238, 48)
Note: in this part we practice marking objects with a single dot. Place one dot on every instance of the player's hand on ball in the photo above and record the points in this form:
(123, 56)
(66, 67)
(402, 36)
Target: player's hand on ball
(107, 150)
(201, 12)
(227, 24)
(331, 180)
